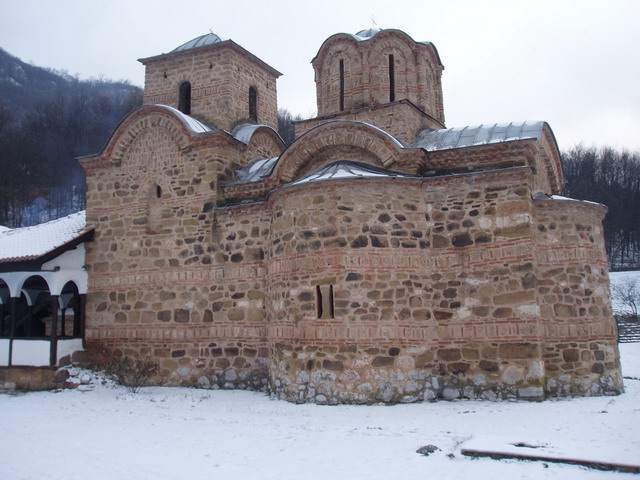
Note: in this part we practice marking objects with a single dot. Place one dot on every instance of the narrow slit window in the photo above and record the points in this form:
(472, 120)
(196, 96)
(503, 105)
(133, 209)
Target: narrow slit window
(324, 301)
(341, 85)
(392, 79)
(253, 104)
(184, 98)
(319, 301)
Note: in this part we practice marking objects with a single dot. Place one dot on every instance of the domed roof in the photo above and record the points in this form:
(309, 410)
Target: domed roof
(368, 33)
(201, 41)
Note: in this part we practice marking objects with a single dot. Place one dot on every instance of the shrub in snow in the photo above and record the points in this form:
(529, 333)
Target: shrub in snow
(132, 372)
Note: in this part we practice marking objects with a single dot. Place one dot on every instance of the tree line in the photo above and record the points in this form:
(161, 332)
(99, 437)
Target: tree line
(40, 178)
(611, 177)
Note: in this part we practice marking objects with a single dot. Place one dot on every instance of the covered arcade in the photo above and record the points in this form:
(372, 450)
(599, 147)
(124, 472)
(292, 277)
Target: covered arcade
(43, 284)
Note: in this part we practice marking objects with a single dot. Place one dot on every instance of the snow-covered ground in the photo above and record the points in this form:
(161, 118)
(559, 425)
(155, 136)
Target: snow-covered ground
(104, 432)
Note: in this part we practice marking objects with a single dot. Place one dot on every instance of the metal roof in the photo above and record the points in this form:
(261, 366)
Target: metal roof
(347, 169)
(255, 171)
(432, 140)
(201, 41)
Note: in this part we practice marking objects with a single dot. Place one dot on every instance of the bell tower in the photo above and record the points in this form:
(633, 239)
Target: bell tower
(213, 80)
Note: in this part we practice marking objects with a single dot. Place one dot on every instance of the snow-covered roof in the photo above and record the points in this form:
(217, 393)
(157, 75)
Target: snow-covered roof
(346, 169)
(432, 140)
(201, 41)
(245, 131)
(566, 199)
(367, 33)
(194, 125)
(255, 171)
(30, 243)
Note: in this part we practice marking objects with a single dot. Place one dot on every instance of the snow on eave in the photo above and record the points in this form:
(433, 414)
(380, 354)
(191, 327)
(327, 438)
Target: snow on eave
(561, 198)
(30, 243)
(344, 169)
(255, 171)
(244, 132)
(196, 126)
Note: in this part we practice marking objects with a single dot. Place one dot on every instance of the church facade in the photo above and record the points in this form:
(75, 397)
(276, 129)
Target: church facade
(380, 257)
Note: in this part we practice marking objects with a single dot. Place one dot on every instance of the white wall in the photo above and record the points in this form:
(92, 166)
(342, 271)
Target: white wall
(67, 347)
(30, 353)
(4, 352)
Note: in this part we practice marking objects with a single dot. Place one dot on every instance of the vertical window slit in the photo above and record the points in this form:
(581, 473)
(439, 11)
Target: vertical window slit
(319, 301)
(184, 98)
(341, 85)
(392, 79)
(253, 104)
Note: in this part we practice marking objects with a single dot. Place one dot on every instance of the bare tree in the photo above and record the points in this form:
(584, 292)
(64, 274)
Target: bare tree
(627, 294)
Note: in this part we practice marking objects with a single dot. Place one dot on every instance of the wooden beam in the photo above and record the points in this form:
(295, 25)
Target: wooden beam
(53, 337)
(595, 464)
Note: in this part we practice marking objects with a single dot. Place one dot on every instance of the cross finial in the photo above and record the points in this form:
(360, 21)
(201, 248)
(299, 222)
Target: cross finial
(373, 22)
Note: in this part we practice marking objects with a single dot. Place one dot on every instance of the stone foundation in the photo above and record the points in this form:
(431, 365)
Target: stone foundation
(13, 379)
(371, 374)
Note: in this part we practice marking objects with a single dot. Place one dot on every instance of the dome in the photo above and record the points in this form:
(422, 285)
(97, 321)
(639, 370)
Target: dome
(368, 33)
(201, 41)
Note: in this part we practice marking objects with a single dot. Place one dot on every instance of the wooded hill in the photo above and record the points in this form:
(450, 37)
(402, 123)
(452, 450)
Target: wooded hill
(49, 118)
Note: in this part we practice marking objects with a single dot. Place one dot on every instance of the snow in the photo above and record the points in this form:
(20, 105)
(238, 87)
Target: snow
(103, 432)
(100, 431)
(346, 169)
(194, 125)
(243, 133)
(33, 242)
(560, 197)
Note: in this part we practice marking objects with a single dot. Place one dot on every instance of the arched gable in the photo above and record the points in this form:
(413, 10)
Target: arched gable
(329, 142)
(174, 126)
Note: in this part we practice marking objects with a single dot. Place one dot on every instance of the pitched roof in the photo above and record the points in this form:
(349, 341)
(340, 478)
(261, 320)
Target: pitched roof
(31, 243)
(349, 169)
(432, 140)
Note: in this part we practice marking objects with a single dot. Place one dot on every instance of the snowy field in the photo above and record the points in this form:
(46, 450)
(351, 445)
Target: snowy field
(100, 431)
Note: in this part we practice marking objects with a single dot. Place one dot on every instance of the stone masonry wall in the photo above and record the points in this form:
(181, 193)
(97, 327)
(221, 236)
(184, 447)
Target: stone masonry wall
(165, 281)
(433, 287)
(581, 350)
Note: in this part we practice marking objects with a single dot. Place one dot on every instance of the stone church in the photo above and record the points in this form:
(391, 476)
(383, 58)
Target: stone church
(381, 257)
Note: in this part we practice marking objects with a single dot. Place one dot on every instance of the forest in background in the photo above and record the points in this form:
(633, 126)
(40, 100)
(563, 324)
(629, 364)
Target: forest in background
(49, 118)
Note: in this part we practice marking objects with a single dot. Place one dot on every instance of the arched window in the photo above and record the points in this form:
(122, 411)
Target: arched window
(253, 104)
(184, 99)
(392, 79)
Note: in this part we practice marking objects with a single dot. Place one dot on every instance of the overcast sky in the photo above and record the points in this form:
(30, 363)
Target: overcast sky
(574, 64)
